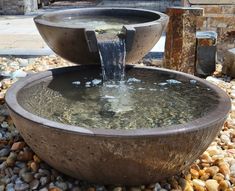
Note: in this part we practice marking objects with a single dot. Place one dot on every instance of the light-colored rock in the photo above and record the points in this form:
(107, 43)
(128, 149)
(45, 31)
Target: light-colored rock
(212, 185)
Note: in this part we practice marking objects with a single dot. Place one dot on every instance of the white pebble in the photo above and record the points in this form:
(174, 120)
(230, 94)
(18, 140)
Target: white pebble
(212, 185)
(198, 182)
(225, 139)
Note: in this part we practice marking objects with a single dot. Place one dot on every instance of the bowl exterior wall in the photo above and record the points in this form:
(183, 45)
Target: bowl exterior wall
(116, 159)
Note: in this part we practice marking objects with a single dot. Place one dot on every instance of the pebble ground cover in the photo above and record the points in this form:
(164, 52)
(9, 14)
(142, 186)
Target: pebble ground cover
(21, 169)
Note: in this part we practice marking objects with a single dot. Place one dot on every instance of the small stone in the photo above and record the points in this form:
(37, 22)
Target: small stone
(11, 159)
(61, 185)
(21, 186)
(20, 164)
(19, 74)
(2, 187)
(5, 151)
(25, 155)
(198, 183)
(4, 125)
(212, 185)
(22, 171)
(223, 185)
(232, 179)
(27, 177)
(44, 180)
(188, 187)
(212, 170)
(43, 189)
(23, 62)
(213, 150)
(36, 159)
(17, 146)
(224, 169)
(10, 187)
(232, 169)
(34, 166)
(194, 173)
(225, 139)
(34, 184)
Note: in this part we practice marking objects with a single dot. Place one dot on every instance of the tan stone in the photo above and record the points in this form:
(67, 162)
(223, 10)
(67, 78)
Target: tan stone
(212, 185)
(17, 146)
(229, 63)
(181, 39)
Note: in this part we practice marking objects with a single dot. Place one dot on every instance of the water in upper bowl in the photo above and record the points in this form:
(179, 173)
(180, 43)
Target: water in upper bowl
(99, 23)
(145, 99)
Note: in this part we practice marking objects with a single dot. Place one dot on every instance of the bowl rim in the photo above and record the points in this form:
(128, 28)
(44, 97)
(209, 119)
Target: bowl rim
(219, 114)
(38, 19)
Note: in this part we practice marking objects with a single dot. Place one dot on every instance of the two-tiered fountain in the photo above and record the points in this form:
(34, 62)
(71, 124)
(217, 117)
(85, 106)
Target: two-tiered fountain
(109, 123)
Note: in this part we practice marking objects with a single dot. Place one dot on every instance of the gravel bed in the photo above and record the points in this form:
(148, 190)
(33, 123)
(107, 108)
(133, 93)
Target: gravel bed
(21, 169)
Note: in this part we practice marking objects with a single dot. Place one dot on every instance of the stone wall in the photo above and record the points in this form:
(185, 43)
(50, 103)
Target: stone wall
(17, 7)
(219, 16)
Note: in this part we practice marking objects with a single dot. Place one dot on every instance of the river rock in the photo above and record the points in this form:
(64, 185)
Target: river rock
(61, 185)
(25, 155)
(27, 177)
(10, 187)
(19, 74)
(21, 186)
(44, 180)
(34, 184)
(212, 185)
(2, 187)
(17, 146)
(5, 151)
(11, 159)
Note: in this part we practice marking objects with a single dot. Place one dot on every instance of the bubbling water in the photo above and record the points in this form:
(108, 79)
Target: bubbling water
(145, 99)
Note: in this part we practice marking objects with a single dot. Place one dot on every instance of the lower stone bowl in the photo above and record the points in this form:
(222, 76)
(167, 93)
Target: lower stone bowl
(106, 156)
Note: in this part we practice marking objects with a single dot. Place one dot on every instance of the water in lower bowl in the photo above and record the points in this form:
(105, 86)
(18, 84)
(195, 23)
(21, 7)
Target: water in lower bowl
(145, 99)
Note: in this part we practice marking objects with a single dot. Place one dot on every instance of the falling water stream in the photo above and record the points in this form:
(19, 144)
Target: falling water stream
(112, 56)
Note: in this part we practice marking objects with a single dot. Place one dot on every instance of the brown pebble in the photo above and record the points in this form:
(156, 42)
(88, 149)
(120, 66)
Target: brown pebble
(205, 176)
(36, 159)
(205, 164)
(188, 177)
(224, 169)
(188, 187)
(219, 177)
(11, 159)
(195, 167)
(223, 185)
(25, 155)
(195, 173)
(232, 178)
(17, 146)
(34, 166)
(3, 143)
(212, 170)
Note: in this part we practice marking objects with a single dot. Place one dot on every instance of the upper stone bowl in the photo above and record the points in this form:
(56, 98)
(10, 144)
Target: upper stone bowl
(77, 43)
